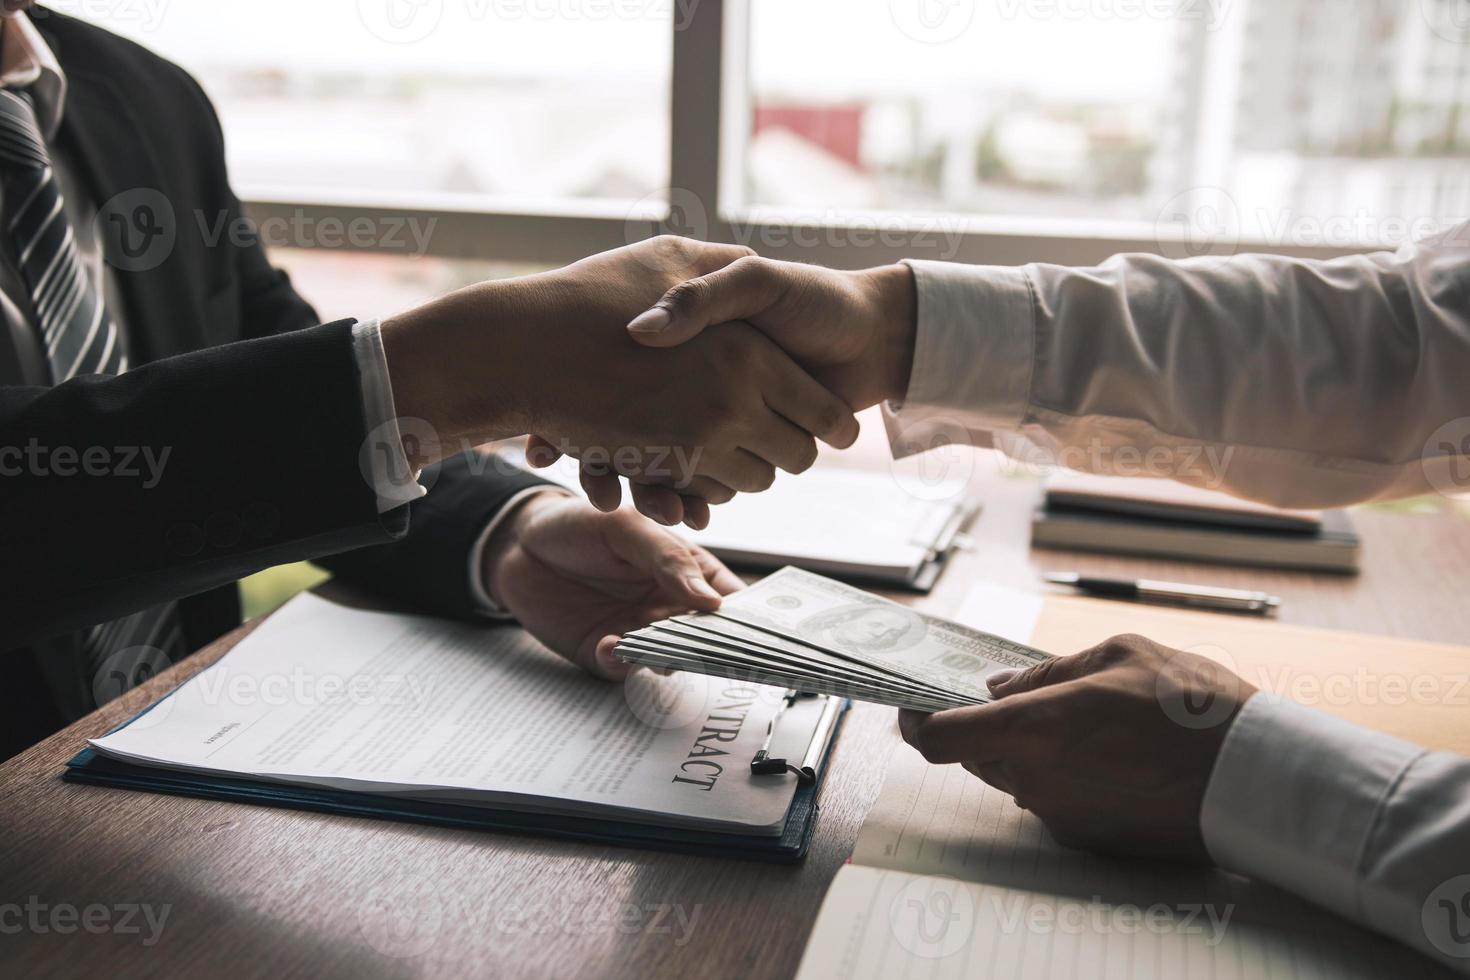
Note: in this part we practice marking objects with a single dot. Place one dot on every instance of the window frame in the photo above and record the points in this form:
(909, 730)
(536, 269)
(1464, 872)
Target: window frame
(709, 112)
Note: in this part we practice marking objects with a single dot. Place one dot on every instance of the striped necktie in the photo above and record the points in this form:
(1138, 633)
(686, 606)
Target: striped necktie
(79, 337)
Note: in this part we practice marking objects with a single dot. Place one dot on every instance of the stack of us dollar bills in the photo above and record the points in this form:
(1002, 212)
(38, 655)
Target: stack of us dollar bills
(803, 631)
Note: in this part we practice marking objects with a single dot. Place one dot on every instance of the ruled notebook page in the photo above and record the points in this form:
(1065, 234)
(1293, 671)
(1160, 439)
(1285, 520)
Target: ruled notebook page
(950, 879)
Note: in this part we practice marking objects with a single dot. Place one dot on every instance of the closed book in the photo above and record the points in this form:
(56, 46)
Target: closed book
(1331, 547)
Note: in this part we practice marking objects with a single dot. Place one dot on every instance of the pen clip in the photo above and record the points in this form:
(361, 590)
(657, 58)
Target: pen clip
(763, 764)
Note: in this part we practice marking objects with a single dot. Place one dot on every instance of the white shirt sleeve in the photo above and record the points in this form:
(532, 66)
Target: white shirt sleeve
(1372, 827)
(1295, 382)
(384, 459)
(479, 588)
(382, 456)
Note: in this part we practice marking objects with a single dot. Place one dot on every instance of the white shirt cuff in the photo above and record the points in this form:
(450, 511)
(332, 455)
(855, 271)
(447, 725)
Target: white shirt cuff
(1294, 797)
(479, 588)
(974, 352)
(382, 458)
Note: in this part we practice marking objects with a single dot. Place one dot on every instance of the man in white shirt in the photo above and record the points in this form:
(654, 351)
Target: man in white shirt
(1319, 383)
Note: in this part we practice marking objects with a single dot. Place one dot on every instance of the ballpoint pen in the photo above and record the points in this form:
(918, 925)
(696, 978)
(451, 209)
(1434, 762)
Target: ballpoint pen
(1169, 593)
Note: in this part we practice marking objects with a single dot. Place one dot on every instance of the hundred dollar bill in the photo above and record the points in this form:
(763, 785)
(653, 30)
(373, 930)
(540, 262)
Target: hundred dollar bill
(868, 629)
(763, 646)
(637, 652)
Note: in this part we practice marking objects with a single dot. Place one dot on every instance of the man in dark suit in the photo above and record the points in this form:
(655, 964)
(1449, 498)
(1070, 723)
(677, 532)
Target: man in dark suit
(172, 416)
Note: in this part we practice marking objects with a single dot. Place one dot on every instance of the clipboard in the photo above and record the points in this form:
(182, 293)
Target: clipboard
(91, 768)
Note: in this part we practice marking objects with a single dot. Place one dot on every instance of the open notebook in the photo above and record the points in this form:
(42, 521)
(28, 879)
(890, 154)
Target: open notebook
(950, 879)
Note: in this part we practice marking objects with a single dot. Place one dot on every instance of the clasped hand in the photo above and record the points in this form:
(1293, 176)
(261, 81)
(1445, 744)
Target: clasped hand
(549, 354)
(853, 331)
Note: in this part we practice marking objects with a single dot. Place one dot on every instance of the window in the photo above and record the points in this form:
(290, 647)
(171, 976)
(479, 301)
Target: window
(537, 131)
(1289, 122)
(489, 104)
(1001, 112)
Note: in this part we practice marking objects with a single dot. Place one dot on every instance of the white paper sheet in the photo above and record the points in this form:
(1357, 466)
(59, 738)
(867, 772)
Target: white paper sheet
(391, 704)
(1002, 610)
(835, 521)
(951, 879)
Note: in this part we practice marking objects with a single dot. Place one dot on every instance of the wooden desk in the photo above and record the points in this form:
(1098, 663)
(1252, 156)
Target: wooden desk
(261, 892)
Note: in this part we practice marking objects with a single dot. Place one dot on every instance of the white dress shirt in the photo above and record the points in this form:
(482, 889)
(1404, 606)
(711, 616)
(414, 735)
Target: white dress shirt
(26, 61)
(1299, 383)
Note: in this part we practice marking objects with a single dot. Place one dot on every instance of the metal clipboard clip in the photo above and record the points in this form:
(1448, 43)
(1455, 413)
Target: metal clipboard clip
(763, 764)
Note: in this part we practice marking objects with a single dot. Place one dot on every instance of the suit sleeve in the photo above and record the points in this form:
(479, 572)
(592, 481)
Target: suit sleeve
(179, 476)
(429, 567)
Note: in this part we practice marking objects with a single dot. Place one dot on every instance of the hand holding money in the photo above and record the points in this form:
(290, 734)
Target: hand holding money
(804, 631)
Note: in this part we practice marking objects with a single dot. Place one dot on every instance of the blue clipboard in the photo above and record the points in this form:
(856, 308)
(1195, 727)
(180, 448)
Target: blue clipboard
(90, 767)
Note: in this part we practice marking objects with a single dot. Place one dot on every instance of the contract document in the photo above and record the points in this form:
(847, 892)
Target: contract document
(410, 706)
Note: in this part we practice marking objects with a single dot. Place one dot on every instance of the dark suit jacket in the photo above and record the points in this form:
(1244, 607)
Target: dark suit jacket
(258, 406)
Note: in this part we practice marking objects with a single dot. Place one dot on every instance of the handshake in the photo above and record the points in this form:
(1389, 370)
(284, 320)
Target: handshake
(569, 357)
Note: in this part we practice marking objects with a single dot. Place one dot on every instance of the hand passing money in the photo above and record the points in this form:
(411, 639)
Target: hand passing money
(807, 632)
